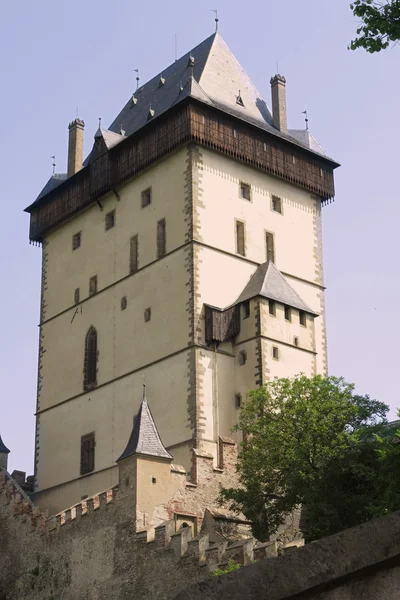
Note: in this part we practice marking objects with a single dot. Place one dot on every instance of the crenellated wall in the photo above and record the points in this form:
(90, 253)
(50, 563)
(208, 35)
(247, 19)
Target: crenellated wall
(95, 549)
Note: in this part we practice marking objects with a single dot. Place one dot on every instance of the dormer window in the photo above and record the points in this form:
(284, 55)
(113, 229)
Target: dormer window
(239, 100)
(161, 81)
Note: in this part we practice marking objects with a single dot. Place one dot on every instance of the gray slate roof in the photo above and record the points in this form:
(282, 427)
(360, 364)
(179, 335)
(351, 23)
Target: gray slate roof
(268, 281)
(52, 183)
(3, 447)
(216, 79)
(145, 438)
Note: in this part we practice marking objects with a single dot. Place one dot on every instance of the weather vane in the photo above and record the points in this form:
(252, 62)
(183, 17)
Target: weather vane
(54, 163)
(137, 77)
(306, 119)
(215, 11)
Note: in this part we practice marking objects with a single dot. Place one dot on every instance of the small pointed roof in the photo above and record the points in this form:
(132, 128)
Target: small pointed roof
(3, 447)
(145, 438)
(268, 281)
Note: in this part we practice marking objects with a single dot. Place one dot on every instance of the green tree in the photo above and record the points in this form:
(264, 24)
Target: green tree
(311, 442)
(380, 24)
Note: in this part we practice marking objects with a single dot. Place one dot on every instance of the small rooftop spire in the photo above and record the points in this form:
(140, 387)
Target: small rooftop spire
(145, 438)
(4, 452)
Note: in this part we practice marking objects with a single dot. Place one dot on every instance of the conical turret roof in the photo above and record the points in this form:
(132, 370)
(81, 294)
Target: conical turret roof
(3, 447)
(145, 438)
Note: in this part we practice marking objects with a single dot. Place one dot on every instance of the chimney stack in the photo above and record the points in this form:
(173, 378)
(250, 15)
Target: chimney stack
(278, 92)
(75, 146)
(4, 452)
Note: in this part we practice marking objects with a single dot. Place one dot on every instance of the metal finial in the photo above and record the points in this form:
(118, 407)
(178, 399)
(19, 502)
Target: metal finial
(137, 77)
(176, 47)
(54, 163)
(99, 122)
(215, 11)
(306, 119)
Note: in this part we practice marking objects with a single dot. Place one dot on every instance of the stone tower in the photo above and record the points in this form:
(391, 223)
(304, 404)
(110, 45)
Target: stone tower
(186, 252)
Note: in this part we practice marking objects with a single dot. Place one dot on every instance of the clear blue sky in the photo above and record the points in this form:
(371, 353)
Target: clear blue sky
(55, 56)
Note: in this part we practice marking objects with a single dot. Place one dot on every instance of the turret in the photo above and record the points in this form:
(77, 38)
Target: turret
(4, 452)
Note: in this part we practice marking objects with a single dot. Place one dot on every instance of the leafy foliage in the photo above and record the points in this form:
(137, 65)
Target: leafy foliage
(311, 442)
(380, 24)
(232, 566)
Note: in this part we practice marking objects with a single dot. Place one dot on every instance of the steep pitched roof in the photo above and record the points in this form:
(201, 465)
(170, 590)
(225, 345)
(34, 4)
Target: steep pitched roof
(3, 447)
(268, 281)
(219, 79)
(145, 438)
(52, 183)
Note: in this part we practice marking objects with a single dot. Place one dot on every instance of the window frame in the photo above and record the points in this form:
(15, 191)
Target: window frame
(77, 294)
(303, 318)
(134, 244)
(87, 463)
(238, 239)
(93, 280)
(109, 220)
(275, 198)
(270, 254)
(288, 313)
(76, 240)
(146, 193)
(246, 309)
(275, 353)
(243, 185)
(272, 307)
(91, 356)
(161, 247)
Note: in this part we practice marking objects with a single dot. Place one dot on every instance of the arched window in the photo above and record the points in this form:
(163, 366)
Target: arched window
(90, 364)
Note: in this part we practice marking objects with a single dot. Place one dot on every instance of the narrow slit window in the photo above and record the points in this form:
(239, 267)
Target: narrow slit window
(272, 307)
(76, 296)
(146, 197)
(238, 400)
(87, 453)
(134, 254)
(277, 204)
(90, 361)
(161, 239)
(245, 191)
(246, 309)
(275, 353)
(288, 313)
(242, 357)
(124, 303)
(110, 220)
(76, 240)
(296, 340)
(302, 318)
(93, 285)
(240, 242)
(147, 315)
(269, 246)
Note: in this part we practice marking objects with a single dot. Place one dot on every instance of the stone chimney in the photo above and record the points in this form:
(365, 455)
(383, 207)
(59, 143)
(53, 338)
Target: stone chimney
(4, 452)
(278, 92)
(75, 146)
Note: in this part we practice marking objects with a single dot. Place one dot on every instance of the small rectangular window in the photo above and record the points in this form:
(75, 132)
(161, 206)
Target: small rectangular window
(296, 340)
(246, 309)
(269, 246)
(146, 197)
(302, 318)
(242, 357)
(240, 242)
(238, 400)
(288, 313)
(134, 254)
(147, 315)
(110, 220)
(76, 296)
(76, 240)
(272, 307)
(93, 285)
(245, 191)
(275, 352)
(161, 239)
(124, 303)
(276, 204)
(87, 453)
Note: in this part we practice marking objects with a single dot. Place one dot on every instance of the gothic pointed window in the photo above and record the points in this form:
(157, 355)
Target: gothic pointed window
(90, 364)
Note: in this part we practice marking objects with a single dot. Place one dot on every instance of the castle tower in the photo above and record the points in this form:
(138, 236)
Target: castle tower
(4, 452)
(187, 251)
